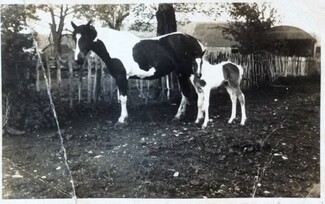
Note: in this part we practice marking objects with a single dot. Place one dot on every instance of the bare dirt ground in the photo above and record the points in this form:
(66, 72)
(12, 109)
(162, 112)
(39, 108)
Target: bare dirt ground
(276, 154)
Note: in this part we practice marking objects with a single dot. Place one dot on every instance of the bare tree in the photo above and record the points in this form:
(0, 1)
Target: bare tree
(111, 15)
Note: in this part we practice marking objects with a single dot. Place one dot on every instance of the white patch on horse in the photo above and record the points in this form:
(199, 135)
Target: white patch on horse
(77, 50)
(198, 62)
(142, 73)
(119, 44)
(161, 36)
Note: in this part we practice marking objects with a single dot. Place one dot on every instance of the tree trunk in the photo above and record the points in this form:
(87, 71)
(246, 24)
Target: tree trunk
(166, 23)
(166, 19)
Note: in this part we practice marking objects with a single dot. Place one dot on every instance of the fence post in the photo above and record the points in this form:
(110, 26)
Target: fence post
(37, 74)
(58, 76)
(95, 82)
(80, 83)
(97, 76)
(140, 82)
(49, 73)
(102, 78)
(111, 91)
(70, 66)
(89, 81)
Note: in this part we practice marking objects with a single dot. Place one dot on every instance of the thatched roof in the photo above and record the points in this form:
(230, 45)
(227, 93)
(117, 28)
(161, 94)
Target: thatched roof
(287, 33)
(210, 34)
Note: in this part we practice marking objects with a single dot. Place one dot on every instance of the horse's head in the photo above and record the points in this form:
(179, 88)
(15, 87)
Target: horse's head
(197, 65)
(83, 36)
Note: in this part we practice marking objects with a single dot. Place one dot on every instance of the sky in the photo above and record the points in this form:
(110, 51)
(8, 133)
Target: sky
(308, 15)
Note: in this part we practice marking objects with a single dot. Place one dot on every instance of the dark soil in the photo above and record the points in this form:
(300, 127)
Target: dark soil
(276, 154)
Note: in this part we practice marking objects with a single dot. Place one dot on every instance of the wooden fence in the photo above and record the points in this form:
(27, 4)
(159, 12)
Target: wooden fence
(92, 83)
(260, 69)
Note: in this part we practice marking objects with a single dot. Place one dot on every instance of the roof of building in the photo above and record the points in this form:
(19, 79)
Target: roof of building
(285, 32)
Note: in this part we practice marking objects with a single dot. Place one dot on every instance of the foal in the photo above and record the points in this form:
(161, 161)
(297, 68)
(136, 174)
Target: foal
(227, 74)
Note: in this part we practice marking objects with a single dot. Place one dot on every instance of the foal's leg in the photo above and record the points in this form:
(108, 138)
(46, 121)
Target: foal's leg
(233, 98)
(241, 99)
(200, 99)
(206, 103)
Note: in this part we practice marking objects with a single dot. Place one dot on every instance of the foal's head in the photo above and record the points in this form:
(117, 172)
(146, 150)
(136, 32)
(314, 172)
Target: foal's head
(83, 36)
(197, 65)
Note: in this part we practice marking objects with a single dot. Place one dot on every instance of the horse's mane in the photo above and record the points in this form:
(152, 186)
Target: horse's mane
(93, 33)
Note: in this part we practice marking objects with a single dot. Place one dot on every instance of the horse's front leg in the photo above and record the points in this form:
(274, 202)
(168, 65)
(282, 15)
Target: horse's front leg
(122, 84)
(185, 84)
(124, 111)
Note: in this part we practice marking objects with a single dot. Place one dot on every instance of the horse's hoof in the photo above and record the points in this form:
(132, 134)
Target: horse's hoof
(204, 125)
(178, 119)
(197, 121)
(120, 125)
(196, 125)
(243, 123)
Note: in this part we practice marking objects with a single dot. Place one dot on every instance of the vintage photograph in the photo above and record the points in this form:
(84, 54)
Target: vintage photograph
(161, 100)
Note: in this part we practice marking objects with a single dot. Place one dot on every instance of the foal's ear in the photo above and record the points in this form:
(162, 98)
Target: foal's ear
(202, 54)
(73, 25)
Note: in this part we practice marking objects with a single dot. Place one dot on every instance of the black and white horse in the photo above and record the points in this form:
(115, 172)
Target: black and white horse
(129, 57)
(227, 74)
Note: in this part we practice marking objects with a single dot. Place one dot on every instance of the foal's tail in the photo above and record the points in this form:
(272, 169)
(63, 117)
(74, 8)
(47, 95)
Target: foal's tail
(241, 72)
(240, 69)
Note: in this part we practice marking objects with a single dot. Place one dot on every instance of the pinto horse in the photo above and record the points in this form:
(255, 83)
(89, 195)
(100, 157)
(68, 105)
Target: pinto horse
(129, 57)
(210, 76)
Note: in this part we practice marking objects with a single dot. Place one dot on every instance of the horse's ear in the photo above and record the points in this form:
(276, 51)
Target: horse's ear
(89, 22)
(73, 25)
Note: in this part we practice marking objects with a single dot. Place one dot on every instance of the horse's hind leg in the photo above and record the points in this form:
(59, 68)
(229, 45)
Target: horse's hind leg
(185, 84)
(122, 84)
(233, 97)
